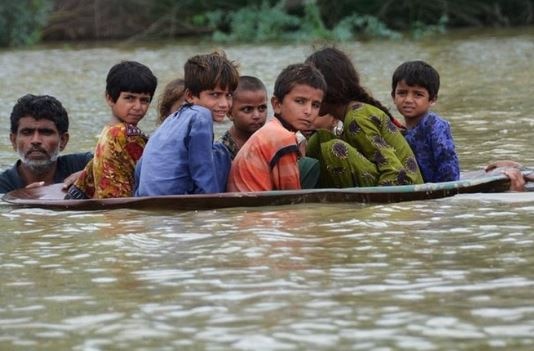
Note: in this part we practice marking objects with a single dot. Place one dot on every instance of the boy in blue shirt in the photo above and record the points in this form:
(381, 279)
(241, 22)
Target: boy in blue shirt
(414, 90)
(180, 157)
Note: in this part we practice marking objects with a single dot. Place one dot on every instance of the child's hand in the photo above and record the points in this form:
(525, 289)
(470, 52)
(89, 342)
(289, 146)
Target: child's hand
(70, 180)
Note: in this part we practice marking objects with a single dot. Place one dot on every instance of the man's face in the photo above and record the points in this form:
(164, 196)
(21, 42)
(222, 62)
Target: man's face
(38, 142)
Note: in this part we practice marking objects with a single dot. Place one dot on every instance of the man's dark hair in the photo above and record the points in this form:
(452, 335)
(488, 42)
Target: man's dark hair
(40, 107)
(130, 76)
(417, 73)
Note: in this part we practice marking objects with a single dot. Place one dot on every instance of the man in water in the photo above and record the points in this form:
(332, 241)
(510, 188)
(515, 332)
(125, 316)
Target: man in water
(39, 132)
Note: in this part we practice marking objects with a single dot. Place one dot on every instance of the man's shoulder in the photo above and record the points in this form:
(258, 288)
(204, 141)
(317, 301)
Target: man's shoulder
(76, 157)
(10, 180)
(70, 163)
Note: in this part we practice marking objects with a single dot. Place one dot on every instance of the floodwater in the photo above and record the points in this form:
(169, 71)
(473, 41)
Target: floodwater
(447, 274)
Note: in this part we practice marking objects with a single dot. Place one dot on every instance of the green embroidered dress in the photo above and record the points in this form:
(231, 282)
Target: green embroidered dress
(369, 151)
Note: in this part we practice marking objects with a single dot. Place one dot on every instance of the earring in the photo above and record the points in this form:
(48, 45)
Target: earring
(338, 127)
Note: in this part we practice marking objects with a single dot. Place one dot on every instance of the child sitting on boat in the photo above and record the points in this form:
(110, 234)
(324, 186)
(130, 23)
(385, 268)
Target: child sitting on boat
(180, 157)
(130, 87)
(268, 160)
(248, 113)
(370, 149)
(171, 99)
(414, 90)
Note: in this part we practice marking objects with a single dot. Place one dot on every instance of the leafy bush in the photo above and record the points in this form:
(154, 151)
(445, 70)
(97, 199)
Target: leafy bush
(272, 23)
(254, 23)
(364, 24)
(21, 21)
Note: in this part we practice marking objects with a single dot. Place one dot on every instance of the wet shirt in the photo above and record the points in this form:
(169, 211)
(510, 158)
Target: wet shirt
(66, 165)
(432, 143)
(267, 161)
(181, 157)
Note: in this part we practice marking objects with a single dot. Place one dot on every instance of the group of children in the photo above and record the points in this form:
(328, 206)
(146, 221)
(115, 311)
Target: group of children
(327, 131)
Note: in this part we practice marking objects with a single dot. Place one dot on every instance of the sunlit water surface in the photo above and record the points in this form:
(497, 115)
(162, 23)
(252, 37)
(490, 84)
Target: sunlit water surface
(448, 274)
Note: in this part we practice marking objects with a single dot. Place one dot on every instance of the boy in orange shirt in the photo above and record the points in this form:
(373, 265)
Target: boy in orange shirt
(268, 160)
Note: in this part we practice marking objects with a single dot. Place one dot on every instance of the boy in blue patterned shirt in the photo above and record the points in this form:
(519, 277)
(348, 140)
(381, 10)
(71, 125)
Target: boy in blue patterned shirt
(414, 90)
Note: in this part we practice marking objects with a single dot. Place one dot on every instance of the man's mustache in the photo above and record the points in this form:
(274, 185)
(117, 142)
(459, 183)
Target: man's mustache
(37, 149)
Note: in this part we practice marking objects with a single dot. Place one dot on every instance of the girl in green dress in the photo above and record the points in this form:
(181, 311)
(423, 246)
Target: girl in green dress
(369, 149)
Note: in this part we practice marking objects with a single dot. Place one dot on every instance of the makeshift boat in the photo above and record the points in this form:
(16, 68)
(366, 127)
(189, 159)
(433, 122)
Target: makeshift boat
(51, 196)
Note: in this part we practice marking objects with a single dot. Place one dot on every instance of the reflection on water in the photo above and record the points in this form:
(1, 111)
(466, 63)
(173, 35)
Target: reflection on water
(448, 274)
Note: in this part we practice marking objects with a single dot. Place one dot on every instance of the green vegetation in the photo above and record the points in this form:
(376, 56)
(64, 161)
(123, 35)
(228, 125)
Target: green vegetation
(21, 21)
(26, 21)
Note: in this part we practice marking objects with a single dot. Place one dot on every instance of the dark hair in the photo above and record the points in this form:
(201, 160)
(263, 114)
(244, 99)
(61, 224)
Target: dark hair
(341, 78)
(130, 76)
(417, 73)
(206, 72)
(249, 83)
(298, 73)
(174, 91)
(40, 107)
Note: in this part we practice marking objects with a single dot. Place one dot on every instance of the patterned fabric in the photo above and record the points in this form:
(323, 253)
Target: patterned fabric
(181, 157)
(370, 151)
(230, 144)
(342, 166)
(267, 161)
(111, 172)
(432, 143)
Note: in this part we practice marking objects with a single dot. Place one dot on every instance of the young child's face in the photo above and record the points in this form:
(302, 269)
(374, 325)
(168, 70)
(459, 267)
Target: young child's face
(300, 106)
(218, 101)
(129, 107)
(411, 101)
(249, 110)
